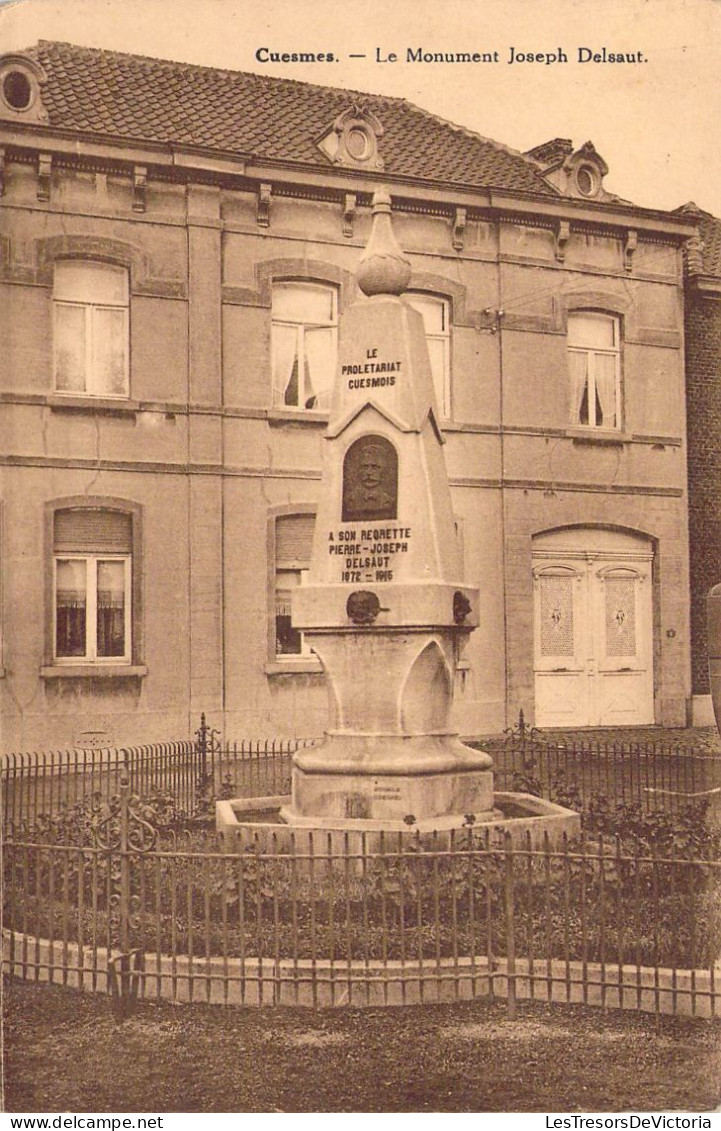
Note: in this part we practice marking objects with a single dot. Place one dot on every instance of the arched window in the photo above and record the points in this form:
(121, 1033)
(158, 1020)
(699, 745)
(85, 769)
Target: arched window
(304, 344)
(91, 328)
(594, 359)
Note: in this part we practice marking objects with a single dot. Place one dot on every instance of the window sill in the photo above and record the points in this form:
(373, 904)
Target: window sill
(596, 436)
(305, 664)
(297, 416)
(107, 406)
(93, 671)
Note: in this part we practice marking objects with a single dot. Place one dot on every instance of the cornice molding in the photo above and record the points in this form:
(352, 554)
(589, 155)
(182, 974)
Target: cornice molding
(150, 467)
(174, 161)
(708, 285)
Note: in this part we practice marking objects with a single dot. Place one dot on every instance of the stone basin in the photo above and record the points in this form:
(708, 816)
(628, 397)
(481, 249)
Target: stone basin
(257, 822)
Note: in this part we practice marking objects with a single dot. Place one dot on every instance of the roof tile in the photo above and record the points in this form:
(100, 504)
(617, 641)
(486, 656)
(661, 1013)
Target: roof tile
(138, 98)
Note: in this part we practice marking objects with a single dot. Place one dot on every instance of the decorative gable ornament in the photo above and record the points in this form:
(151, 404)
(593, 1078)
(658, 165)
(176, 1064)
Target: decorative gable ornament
(353, 139)
(578, 173)
(21, 78)
(585, 170)
(694, 246)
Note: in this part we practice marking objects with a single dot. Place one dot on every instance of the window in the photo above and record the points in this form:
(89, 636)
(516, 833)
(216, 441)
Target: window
(92, 571)
(436, 318)
(91, 329)
(293, 542)
(17, 90)
(594, 358)
(304, 344)
(587, 180)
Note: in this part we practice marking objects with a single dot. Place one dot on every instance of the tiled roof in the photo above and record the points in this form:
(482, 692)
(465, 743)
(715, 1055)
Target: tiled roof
(133, 97)
(710, 231)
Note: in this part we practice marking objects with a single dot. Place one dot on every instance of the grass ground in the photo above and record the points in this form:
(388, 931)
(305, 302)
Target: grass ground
(65, 1053)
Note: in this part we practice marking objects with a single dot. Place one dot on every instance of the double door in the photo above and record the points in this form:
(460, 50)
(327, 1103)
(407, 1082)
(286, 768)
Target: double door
(593, 640)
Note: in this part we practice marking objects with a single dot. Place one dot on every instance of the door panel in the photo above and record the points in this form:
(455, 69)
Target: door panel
(625, 685)
(561, 684)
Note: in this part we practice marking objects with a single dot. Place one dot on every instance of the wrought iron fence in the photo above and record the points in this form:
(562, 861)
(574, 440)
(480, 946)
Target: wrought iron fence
(40, 783)
(655, 776)
(119, 905)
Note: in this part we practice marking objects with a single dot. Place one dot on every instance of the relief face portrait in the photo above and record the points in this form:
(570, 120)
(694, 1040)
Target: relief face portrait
(370, 480)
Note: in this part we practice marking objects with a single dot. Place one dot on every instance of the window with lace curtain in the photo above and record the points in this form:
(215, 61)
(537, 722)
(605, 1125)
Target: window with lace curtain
(304, 344)
(92, 586)
(594, 359)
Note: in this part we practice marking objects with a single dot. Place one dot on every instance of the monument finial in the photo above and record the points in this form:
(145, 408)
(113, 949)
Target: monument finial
(383, 268)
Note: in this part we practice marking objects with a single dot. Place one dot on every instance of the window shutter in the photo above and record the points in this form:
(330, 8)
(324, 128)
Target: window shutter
(92, 531)
(294, 538)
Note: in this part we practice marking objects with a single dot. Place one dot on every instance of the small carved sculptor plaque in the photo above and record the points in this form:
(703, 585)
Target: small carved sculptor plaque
(370, 480)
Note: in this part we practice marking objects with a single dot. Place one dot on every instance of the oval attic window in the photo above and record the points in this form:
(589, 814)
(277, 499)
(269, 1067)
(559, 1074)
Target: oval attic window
(17, 90)
(586, 180)
(357, 143)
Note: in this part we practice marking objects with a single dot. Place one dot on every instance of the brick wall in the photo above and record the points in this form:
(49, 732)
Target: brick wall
(703, 393)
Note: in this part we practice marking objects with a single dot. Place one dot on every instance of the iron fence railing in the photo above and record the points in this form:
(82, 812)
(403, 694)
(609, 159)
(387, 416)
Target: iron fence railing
(40, 783)
(656, 776)
(317, 918)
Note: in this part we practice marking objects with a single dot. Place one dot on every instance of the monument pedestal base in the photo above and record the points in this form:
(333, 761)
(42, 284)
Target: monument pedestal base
(399, 781)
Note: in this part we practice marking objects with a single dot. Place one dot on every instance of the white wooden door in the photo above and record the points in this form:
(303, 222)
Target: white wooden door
(623, 683)
(593, 640)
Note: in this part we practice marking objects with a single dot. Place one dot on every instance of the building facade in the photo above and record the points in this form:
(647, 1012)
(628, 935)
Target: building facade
(177, 248)
(703, 400)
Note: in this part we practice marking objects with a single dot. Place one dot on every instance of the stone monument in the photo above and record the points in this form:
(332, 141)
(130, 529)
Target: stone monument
(386, 610)
(385, 607)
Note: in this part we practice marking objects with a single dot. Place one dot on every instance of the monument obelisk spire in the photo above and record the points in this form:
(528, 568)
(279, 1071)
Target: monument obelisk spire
(383, 268)
(385, 603)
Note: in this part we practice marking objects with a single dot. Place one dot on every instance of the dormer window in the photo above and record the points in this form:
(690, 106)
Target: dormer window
(353, 139)
(20, 79)
(578, 173)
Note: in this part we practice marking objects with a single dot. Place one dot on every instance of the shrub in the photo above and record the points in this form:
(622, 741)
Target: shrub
(644, 889)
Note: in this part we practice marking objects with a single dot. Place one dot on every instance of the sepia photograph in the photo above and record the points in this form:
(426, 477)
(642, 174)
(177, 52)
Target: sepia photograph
(360, 561)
